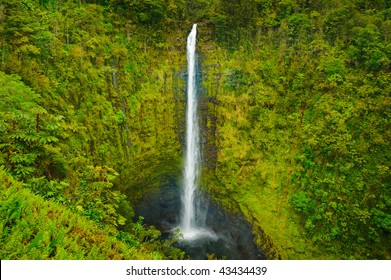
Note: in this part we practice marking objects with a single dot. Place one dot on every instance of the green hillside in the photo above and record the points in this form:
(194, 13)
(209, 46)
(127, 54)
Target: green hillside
(295, 119)
(39, 229)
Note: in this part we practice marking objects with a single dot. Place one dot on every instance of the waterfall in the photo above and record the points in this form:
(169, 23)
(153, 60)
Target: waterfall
(192, 154)
(190, 225)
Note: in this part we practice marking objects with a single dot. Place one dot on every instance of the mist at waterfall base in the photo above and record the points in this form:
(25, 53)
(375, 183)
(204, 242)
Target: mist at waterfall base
(233, 237)
(204, 228)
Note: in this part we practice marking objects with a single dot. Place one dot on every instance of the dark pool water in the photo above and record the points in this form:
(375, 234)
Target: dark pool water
(232, 237)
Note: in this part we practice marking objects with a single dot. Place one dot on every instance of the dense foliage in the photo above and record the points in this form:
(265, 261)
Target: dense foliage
(33, 228)
(304, 110)
(296, 120)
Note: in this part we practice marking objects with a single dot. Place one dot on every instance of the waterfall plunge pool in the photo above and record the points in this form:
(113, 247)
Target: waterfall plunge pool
(229, 237)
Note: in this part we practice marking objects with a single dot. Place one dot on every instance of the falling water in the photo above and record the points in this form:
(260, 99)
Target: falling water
(192, 156)
(189, 225)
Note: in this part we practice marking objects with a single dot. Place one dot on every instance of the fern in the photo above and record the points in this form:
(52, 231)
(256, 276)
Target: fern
(12, 211)
(37, 239)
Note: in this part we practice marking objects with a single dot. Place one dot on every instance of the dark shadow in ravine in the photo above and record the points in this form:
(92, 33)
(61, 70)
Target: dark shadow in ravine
(234, 239)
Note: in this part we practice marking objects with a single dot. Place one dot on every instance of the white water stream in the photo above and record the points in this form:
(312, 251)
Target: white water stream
(190, 225)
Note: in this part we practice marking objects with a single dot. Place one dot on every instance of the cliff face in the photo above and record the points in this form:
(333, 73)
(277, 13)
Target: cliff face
(240, 172)
(284, 129)
(294, 103)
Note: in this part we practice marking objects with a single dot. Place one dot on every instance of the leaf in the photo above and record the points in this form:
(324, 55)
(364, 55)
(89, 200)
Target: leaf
(36, 241)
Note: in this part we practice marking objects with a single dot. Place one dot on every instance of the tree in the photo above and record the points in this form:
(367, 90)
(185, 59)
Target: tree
(28, 132)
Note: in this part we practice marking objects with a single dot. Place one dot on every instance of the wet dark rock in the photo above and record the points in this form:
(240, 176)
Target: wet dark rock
(235, 239)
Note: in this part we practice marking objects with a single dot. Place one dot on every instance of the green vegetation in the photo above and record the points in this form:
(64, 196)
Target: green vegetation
(303, 132)
(297, 97)
(35, 228)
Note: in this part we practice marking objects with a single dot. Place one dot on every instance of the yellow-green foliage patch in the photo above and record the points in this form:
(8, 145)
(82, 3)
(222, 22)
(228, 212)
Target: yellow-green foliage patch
(32, 228)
